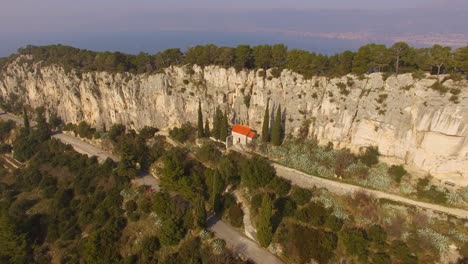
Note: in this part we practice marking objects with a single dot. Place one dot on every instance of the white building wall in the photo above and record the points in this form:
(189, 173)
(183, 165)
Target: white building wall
(239, 139)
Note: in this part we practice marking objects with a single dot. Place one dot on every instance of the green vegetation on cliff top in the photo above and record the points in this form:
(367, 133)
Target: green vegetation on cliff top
(399, 58)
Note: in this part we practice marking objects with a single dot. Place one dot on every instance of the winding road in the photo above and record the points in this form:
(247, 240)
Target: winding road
(304, 180)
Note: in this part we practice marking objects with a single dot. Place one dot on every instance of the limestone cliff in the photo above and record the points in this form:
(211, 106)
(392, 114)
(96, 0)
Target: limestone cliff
(404, 117)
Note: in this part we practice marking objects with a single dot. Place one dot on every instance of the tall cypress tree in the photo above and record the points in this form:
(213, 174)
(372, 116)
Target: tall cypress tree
(216, 123)
(216, 190)
(223, 133)
(200, 121)
(207, 128)
(266, 124)
(200, 213)
(264, 230)
(27, 127)
(277, 127)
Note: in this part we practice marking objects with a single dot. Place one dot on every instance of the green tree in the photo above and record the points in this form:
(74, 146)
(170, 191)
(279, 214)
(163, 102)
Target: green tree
(243, 57)
(279, 54)
(266, 124)
(217, 123)
(216, 190)
(223, 132)
(371, 57)
(355, 242)
(171, 232)
(256, 172)
(206, 131)
(264, 228)
(400, 50)
(262, 56)
(200, 130)
(13, 246)
(173, 169)
(461, 59)
(276, 131)
(440, 57)
(199, 212)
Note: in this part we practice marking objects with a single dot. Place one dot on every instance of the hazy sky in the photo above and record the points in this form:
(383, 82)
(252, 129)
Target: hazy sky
(72, 22)
(61, 15)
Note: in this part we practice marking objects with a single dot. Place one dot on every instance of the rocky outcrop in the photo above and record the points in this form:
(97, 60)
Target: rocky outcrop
(404, 117)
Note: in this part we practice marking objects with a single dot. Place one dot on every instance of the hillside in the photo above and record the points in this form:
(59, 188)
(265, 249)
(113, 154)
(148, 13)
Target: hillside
(415, 119)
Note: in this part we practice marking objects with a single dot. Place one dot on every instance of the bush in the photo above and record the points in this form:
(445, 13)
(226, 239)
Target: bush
(370, 156)
(397, 171)
(183, 134)
(256, 172)
(417, 75)
(209, 152)
(300, 196)
(116, 131)
(5, 148)
(314, 213)
(355, 242)
(440, 87)
(236, 215)
(148, 132)
(280, 186)
(430, 192)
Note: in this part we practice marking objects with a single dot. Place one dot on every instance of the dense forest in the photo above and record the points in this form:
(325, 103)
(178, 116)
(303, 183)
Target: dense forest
(63, 207)
(399, 58)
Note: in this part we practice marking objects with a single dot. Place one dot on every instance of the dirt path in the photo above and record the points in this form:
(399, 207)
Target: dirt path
(308, 181)
(240, 244)
(249, 229)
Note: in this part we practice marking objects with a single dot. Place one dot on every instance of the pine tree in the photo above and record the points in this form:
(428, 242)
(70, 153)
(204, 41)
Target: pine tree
(200, 213)
(264, 230)
(206, 132)
(200, 121)
(266, 124)
(27, 127)
(223, 133)
(277, 129)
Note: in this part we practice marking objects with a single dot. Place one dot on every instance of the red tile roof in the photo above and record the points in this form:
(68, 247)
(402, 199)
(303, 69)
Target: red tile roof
(243, 130)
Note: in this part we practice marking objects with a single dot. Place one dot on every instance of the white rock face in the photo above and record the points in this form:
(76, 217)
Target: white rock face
(403, 117)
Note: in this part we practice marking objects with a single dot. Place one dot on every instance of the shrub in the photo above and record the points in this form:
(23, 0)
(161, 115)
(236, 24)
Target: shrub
(386, 75)
(256, 172)
(397, 171)
(280, 186)
(334, 223)
(355, 242)
(5, 148)
(247, 100)
(115, 132)
(300, 196)
(430, 192)
(314, 213)
(276, 72)
(343, 88)
(209, 152)
(183, 134)
(148, 132)
(343, 159)
(440, 87)
(370, 156)
(236, 215)
(417, 75)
